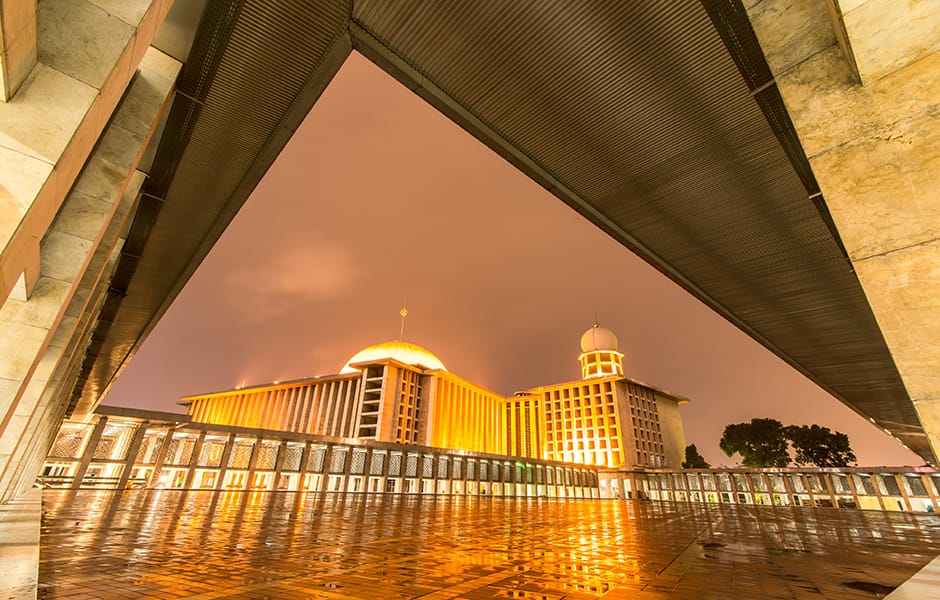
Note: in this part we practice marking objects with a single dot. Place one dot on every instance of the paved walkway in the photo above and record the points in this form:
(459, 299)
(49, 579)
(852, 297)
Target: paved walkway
(170, 544)
(19, 546)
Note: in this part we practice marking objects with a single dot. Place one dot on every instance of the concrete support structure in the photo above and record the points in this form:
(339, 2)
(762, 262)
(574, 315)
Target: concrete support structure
(133, 449)
(17, 44)
(71, 140)
(91, 446)
(860, 82)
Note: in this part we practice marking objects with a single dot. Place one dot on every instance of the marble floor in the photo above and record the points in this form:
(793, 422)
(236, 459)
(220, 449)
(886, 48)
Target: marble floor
(199, 544)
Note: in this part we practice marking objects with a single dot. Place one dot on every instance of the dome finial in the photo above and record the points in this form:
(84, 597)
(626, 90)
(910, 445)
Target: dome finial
(404, 313)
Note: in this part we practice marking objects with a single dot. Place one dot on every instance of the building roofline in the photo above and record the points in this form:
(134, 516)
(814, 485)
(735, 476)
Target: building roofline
(679, 399)
(141, 414)
(443, 373)
(186, 400)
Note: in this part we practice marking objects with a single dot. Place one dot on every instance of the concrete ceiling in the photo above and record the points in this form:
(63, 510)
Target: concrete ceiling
(658, 121)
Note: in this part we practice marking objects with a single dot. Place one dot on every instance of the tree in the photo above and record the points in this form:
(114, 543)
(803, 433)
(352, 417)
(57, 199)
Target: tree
(761, 443)
(820, 446)
(694, 460)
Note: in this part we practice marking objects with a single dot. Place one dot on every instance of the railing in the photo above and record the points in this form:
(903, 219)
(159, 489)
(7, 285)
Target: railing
(906, 489)
(66, 481)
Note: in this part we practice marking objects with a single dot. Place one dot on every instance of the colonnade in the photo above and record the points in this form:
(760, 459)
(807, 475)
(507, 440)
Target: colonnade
(118, 453)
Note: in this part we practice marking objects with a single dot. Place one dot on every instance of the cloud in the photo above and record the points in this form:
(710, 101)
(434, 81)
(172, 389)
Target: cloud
(265, 285)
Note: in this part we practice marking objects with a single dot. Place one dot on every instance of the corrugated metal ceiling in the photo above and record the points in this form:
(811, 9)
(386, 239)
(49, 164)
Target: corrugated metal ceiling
(639, 111)
(635, 113)
(254, 72)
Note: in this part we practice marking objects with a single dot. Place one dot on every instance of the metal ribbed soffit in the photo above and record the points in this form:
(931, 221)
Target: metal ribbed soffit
(255, 69)
(637, 115)
(634, 113)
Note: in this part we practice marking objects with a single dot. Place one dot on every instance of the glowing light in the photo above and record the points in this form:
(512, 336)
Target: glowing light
(405, 352)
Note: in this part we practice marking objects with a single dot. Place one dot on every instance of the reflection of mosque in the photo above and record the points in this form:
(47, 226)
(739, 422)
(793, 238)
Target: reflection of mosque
(401, 393)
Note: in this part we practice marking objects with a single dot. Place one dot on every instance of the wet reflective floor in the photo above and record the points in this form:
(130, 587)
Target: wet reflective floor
(201, 544)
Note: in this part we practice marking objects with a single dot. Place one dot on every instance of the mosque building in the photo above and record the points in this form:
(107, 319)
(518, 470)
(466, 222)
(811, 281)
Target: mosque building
(394, 420)
(402, 393)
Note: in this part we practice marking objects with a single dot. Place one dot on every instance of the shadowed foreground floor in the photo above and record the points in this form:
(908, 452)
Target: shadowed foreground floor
(202, 544)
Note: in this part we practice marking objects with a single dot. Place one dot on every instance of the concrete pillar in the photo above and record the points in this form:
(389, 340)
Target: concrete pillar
(24, 286)
(56, 365)
(194, 461)
(385, 464)
(876, 484)
(367, 475)
(38, 322)
(24, 475)
(253, 462)
(867, 32)
(735, 499)
(223, 462)
(347, 467)
(76, 255)
(89, 453)
(749, 487)
(788, 487)
(279, 462)
(325, 477)
(302, 472)
(900, 479)
(860, 84)
(161, 456)
(808, 486)
(132, 450)
(420, 472)
(928, 485)
(853, 487)
(827, 479)
(86, 58)
(17, 44)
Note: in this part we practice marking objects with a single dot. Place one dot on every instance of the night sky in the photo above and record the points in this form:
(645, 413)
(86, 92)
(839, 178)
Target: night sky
(380, 201)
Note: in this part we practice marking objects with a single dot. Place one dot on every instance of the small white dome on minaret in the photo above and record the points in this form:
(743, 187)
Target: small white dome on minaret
(599, 355)
(598, 338)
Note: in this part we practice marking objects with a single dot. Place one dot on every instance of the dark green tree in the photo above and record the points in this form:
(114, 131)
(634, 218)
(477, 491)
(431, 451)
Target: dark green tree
(694, 460)
(761, 443)
(820, 446)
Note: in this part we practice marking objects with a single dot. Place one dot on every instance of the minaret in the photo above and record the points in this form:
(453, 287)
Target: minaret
(599, 356)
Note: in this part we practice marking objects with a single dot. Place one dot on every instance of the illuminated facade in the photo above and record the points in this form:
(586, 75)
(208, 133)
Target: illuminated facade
(401, 393)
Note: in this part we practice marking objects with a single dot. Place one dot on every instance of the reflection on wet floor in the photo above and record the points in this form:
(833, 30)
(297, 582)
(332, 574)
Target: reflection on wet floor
(203, 544)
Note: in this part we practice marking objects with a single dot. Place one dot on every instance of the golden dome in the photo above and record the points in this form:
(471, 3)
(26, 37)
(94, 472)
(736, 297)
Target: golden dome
(598, 338)
(404, 352)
